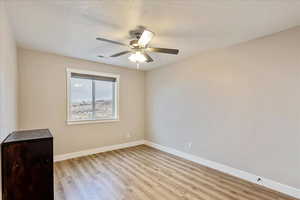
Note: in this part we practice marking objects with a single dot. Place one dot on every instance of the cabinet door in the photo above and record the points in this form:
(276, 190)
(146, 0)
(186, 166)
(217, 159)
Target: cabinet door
(28, 170)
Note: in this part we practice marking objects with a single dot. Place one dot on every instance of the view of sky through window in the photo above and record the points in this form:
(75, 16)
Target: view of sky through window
(91, 99)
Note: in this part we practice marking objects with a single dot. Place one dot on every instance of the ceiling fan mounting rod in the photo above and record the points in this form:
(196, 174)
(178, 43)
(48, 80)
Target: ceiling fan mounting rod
(138, 35)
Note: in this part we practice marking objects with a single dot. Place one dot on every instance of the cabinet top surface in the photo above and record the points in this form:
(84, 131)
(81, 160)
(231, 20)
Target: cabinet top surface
(26, 135)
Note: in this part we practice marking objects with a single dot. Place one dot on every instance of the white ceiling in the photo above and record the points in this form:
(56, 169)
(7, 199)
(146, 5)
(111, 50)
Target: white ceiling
(69, 27)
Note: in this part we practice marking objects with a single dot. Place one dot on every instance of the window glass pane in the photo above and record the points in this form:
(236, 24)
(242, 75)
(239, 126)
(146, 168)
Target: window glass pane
(81, 106)
(104, 99)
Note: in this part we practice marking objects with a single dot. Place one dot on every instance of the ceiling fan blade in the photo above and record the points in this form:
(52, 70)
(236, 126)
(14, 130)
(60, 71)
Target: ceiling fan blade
(120, 54)
(100, 56)
(145, 38)
(111, 41)
(149, 59)
(163, 50)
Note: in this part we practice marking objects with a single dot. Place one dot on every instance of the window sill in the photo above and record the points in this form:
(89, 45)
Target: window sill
(92, 121)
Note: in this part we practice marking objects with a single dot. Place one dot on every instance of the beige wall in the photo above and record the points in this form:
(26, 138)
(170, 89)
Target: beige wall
(239, 106)
(8, 76)
(43, 101)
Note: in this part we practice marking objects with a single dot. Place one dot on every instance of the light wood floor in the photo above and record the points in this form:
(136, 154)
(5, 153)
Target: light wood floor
(144, 173)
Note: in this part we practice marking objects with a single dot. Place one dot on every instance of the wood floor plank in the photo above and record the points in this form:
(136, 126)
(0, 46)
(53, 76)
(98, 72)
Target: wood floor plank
(196, 169)
(144, 173)
(209, 178)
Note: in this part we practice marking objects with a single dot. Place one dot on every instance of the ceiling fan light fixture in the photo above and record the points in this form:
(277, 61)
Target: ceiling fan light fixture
(146, 37)
(137, 57)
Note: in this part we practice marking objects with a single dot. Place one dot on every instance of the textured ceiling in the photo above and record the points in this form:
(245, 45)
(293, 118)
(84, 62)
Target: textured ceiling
(69, 27)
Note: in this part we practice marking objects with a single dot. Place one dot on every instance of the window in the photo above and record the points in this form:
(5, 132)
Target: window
(92, 96)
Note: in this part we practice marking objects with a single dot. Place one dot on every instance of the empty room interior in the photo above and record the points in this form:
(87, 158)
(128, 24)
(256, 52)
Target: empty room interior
(150, 99)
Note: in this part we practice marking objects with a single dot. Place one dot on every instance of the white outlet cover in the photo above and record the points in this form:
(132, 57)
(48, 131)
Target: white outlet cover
(188, 146)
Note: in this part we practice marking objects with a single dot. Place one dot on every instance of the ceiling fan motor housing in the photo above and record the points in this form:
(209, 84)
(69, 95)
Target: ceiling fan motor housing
(134, 44)
(137, 33)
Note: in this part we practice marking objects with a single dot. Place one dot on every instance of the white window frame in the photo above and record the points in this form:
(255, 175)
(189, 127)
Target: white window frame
(94, 73)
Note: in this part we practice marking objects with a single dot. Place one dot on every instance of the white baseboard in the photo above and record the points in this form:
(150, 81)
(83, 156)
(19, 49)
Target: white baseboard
(294, 192)
(96, 150)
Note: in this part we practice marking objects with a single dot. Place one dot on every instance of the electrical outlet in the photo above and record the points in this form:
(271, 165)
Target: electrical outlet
(128, 135)
(188, 146)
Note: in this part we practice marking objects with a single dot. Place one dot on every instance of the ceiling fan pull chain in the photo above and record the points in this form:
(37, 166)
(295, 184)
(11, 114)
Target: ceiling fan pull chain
(137, 65)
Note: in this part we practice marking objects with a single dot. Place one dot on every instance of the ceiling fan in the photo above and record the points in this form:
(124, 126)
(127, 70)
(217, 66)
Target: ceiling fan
(139, 47)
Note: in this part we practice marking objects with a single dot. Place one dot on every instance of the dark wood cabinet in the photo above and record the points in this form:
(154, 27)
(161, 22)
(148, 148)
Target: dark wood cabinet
(27, 165)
